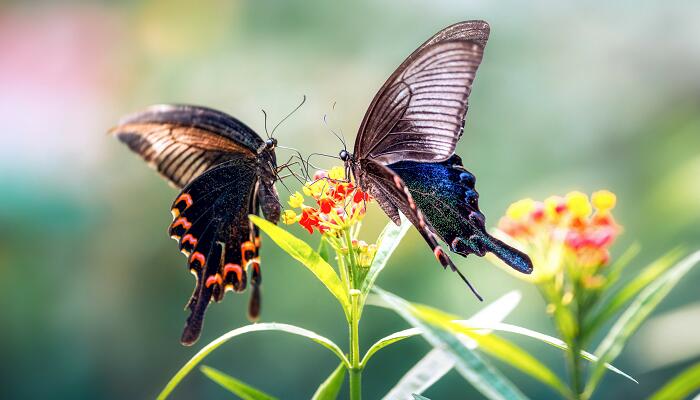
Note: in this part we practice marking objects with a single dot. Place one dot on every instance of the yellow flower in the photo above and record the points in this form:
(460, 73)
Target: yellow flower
(296, 200)
(578, 204)
(337, 173)
(603, 200)
(553, 206)
(520, 209)
(289, 217)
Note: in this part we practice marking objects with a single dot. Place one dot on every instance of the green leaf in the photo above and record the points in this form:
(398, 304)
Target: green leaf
(609, 308)
(681, 386)
(634, 315)
(438, 362)
(324, 250)
(468, 363)
(303, 253)
(235, 386)
(387, 340)
(419, 397)
(388, 240)
(619, 265)
(269, 326)
(495, 346)
(330, 388)
(550, 340)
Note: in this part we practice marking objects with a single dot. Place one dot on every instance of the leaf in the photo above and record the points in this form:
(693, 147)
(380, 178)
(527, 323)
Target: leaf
(323, 250)
(388, 240)
(438, 362)
(681, 386)
(609, 308)
(269, 326)
(419, 397)
(494, 346)
(468, 363)
(423, 374)
(634, 315)
(330, 388)
(476, 322)
(550, 340)
(620, 264)
(303, 253)
(387, 340)
(235, 386)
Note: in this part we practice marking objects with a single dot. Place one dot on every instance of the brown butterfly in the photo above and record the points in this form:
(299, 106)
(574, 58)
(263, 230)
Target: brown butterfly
(404, 153)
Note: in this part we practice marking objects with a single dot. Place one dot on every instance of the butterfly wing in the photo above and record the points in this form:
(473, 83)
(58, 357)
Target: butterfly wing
(445, 193)
(217, 161)
(182, 141)
(419, 113)
(210, 223)
(390, 191)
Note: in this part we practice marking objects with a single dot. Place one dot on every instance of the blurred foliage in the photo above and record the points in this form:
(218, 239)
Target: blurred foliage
(570, 96)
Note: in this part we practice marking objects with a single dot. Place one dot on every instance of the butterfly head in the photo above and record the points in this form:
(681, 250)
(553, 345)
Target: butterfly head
(345, 156)
(270, 144)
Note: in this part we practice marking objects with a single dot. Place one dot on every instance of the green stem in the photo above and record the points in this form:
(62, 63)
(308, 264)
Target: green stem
(351, 257)
(355, 370)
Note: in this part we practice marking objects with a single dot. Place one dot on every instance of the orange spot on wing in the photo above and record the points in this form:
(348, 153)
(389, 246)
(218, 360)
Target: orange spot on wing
(183, 222)
(233, 268)
(186, 198)
(248, 246)
(439, 254)
(189, 239)
(213, 280)
(199, 257)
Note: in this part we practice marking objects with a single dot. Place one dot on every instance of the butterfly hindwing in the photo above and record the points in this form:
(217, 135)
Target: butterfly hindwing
(213, 230)
(387, 187)
(445, 192)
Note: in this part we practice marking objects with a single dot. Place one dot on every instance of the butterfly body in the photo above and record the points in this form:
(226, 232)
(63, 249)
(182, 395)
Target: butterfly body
(404, 154)
(225, 172)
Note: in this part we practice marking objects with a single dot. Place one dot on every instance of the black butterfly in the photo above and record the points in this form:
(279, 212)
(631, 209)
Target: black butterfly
(404, 152)
(226, 171)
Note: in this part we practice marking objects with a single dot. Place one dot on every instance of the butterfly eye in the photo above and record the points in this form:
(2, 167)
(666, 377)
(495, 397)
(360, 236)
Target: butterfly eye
(271, 143)
(344, 155)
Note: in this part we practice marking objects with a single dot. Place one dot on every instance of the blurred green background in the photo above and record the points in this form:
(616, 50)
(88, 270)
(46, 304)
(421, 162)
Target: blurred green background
(569, 96)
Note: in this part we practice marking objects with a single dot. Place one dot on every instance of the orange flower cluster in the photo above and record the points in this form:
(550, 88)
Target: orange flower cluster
(584, 229)
(338, 203)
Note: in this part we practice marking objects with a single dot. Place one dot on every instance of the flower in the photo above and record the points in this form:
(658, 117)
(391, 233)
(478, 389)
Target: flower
(335, 203)
(564, 232)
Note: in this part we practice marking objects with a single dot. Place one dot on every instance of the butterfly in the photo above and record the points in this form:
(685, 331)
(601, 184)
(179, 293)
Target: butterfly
(404, 154)
(225, 172)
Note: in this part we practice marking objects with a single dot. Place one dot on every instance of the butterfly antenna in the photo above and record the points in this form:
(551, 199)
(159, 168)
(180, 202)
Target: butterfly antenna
(265, 122)
(464, 278)
(303, 100)
(325, 122)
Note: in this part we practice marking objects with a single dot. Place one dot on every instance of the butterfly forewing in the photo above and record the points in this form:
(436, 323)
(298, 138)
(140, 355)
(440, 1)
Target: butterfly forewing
(418, 115)
(182, 141)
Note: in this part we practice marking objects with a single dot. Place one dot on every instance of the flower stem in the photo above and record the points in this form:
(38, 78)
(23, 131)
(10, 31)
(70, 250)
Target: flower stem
(355, 370)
